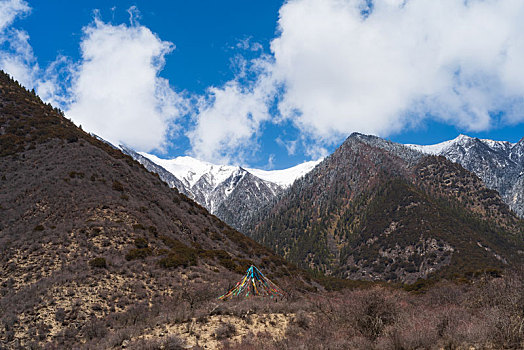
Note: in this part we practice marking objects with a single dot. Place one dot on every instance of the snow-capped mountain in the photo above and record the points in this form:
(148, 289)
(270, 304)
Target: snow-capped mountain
(232, 193)
(500, 164)
(285, 177)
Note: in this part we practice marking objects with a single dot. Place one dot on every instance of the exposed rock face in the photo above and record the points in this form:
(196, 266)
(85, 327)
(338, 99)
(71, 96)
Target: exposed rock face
(379, 210)
(499, 164)
(248, 194)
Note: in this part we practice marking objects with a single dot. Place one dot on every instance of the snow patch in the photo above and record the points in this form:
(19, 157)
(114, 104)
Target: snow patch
(463, 140)
(285, 177)
(189, 170)
(441, 147)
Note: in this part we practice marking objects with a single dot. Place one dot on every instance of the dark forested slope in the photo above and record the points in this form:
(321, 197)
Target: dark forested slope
(381, 211)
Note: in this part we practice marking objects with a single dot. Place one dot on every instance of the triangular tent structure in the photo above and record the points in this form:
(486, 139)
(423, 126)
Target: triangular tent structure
(253, 283)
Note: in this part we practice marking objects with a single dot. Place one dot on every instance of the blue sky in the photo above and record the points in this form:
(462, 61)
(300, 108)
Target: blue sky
(204, 32)
(271, 84)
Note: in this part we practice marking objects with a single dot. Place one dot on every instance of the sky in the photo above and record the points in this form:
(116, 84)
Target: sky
(270, 84)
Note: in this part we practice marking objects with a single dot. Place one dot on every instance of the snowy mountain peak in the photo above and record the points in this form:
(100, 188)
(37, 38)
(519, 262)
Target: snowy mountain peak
(436, 148)
(463, 141)
(498, 163)
(462, 138)
(285, 177)
(190, 170)
(223, 189)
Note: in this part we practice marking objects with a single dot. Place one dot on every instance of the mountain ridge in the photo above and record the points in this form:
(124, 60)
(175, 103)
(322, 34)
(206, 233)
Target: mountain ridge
(223, 189)
(500, 164)
(378, 210)
(215, 195)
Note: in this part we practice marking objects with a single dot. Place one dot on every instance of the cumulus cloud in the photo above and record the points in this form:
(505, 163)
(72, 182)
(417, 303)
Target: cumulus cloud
(378, 67)
(9, 10)
(335, 66)
(386, 68)
(228, 120)
(16, 54)
(116, 91)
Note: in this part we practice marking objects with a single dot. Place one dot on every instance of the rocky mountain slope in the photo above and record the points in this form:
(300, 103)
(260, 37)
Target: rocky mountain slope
(232, 193)
(499, 164)
(91, 241)
(379, 210)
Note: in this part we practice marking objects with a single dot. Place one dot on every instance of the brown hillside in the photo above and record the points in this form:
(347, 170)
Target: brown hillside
(90, 240)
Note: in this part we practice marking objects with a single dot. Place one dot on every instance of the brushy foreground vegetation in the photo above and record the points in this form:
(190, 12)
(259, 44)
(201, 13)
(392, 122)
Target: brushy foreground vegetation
(487, 313)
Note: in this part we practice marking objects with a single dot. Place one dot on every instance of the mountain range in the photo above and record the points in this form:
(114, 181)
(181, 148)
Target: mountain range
(235, 194)
(92, 242)
(319, 218)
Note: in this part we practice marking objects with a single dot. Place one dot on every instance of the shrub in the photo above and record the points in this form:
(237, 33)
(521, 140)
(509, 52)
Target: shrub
(225, 331)
(95, 329)
(117, 186)
(174, 260)
(72, 138)
(141, 242)
(98, 263)
(173, 343)
(74, 174)
(95, 231)
(38, 228)
(228, 263)
(373, 314)
(138, 253)
(179, 254)
(138, 227)
(60, 315)
(302, 319)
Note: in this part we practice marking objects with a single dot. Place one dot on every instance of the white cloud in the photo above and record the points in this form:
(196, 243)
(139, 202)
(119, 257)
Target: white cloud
(333, 70)
(116, 91)
(18, 59)
(290, 146)
(9, 10)
(348, 67)
(228, 120)
(270, 162)
(248, 45)
(16, 55)
(455, 60)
